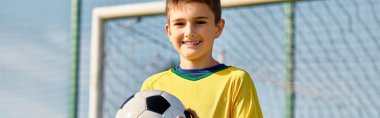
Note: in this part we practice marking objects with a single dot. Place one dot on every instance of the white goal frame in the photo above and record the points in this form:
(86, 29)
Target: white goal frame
(101, 14)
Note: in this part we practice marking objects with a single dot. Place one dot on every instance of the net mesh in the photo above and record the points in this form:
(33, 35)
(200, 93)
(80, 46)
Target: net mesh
(135, 49)
(337, 59)
(337, 54)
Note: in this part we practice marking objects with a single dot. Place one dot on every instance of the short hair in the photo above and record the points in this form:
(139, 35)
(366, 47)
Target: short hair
(214, 6)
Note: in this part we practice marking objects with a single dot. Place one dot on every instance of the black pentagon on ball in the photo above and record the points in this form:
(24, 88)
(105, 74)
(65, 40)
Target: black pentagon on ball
(157, 104)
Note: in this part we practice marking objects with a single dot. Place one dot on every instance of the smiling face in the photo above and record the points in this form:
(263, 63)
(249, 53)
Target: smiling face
(192, 31)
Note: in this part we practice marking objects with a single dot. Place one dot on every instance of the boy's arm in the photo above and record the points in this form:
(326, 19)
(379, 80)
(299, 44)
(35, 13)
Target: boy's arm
(246, 103)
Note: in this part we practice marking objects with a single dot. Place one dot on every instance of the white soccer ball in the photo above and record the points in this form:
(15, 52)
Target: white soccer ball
(152, 104)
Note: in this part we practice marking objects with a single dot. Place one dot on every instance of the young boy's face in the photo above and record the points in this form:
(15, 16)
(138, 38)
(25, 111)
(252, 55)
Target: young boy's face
(192, 30)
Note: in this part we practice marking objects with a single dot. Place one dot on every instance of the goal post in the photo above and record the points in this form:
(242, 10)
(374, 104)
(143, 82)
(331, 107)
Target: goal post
(102, 14)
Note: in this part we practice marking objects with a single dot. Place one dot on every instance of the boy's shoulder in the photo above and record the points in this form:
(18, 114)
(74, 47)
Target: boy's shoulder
(237, 71)
(240, 77)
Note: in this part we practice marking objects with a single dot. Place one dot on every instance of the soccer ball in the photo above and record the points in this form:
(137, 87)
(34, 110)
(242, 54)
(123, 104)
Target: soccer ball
(152, 104)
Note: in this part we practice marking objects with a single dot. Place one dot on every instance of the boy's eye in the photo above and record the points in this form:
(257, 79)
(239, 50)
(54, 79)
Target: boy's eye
(200, 22)
(179, 24)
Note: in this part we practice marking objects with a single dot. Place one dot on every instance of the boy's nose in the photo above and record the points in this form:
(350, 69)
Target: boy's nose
(190, 32)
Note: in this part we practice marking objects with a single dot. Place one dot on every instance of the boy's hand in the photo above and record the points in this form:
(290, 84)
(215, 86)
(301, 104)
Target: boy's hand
(193, 114)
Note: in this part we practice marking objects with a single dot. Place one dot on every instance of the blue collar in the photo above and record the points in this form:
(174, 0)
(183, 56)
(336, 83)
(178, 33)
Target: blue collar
(197, 74)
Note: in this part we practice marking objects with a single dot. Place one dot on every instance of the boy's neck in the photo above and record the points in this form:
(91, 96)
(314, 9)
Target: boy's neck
(198, 64)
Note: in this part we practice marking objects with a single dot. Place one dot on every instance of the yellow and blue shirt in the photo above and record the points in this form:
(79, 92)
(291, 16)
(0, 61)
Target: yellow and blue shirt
(217, 92)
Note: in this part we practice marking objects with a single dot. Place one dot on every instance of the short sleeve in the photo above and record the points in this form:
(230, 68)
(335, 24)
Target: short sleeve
(246, 103)
(148, 83)
(145, 86)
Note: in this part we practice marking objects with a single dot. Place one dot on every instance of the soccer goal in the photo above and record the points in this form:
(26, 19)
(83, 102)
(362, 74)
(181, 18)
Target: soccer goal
(335, 54)
(123, 35)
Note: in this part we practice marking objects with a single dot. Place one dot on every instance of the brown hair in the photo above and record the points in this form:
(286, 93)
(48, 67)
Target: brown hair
(214, 6)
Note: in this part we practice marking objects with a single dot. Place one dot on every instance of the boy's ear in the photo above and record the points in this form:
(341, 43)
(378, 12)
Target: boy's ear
(219, 28)
(167, 29)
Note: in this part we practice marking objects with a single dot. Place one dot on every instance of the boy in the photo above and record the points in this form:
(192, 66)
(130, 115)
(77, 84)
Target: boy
(206, 87)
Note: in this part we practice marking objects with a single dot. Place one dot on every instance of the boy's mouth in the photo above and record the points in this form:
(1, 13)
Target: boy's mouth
(191, 43)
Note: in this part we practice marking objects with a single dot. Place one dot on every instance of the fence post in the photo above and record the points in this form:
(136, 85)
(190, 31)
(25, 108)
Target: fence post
(74, 58)
(290, 37)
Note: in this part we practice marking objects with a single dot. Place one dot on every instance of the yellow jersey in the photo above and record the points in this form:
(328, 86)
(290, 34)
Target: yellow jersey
(227, 93)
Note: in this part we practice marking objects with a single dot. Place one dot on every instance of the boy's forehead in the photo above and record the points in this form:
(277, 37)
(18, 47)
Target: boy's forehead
(192, 10)
(180, 15)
